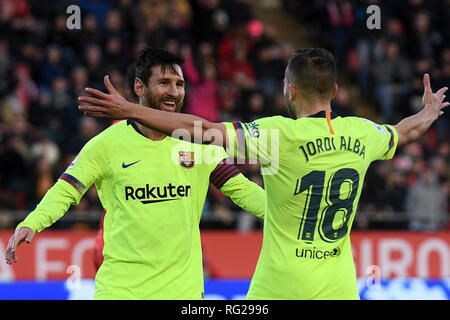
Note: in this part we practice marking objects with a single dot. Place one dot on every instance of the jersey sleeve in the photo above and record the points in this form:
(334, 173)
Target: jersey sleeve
(257, 140)
(51, 208)
(85, 169)
(243, 192)
(88, 166)
(383, 140)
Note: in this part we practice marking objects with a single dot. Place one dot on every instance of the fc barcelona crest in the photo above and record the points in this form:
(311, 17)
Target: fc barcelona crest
(186, 159)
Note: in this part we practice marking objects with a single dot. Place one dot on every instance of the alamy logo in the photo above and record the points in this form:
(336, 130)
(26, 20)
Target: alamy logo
(73, 21)
(374, 19)
(151, 194)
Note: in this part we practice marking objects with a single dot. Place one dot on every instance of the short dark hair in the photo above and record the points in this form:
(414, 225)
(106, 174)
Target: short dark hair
(150, 57)
(312, 70)
(130, 77)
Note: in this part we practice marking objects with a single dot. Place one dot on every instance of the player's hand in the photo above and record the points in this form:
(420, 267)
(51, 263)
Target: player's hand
(433, 101)
(104, 105)
(22, 234)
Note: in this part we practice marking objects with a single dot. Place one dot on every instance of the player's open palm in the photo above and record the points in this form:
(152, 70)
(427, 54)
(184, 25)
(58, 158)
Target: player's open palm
(104, 105)
(22, 234)
(433, 101)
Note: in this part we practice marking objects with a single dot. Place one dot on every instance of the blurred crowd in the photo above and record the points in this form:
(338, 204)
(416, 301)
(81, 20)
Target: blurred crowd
(234, 70)
(387, 65)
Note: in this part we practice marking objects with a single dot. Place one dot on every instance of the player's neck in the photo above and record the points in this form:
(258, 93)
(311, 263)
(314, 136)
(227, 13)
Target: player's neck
(151, 134)
(308, 108)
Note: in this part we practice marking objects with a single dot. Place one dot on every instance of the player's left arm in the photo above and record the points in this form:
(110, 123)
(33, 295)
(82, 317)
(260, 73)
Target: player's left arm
(246, 194)
(115, 106)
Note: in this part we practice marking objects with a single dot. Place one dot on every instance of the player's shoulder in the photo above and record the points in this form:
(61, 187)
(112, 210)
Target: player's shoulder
(368, 125)
(115, 129)
(277, 120)
(104, 140)
(273, 122)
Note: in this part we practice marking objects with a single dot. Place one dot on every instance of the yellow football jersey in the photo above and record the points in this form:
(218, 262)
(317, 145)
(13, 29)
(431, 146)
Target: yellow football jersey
(313, 170)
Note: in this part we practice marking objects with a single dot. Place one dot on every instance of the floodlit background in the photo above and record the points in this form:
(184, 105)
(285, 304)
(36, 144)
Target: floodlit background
(236, 52)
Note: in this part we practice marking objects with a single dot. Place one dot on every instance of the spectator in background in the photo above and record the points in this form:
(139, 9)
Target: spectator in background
(115, 54)
(267, 56)
(14, 171)
(98, 8)
(342, 103)
(61, 35)
(444, 122)
(340, 17)
(234, 39)
(94, 63)
(40, 113)
(79, 80)
(203, 88)
(32, 55)
(87, 130)
(252, 105)
(114, 28)
(5, 67)
(176, 25)
(239, 11)
(61, 102)
(228, 93)
(238, 68)
(91, 32)
(391, 74)
(423, 42)
(26, 89)
(426, 203)
(45, 177)
(208, 20)
(53, 66)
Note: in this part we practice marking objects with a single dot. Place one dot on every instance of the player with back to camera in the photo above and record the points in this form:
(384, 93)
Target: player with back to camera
(153, 189)
(313, 192)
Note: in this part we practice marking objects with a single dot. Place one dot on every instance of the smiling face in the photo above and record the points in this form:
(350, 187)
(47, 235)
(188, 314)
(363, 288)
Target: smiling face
(164, 90)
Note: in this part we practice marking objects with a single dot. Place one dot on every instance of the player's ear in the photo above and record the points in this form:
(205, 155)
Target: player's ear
(335, 91)
(139, 87)
(292, 92)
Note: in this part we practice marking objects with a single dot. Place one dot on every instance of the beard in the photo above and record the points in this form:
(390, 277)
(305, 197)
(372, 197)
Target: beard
(155, 102)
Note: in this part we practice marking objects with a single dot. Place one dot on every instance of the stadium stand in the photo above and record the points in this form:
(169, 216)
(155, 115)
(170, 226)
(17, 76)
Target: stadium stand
(234, 69)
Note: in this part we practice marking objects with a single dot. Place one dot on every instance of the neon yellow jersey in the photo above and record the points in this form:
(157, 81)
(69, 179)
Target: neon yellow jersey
(153, 193)
(313, 170)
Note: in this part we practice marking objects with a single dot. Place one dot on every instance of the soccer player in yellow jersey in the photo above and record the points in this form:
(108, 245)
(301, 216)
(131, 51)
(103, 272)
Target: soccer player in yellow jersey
(153, 189)
(313, 168)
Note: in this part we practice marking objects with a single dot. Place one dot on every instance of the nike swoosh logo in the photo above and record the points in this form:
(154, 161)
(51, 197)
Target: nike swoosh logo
(129, 164)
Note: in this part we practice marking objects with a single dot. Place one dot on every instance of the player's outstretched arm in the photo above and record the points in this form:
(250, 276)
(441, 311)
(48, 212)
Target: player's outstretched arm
(51, 208)
(246, 194)
(22, 234)
(411, 128)
(113, 105)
